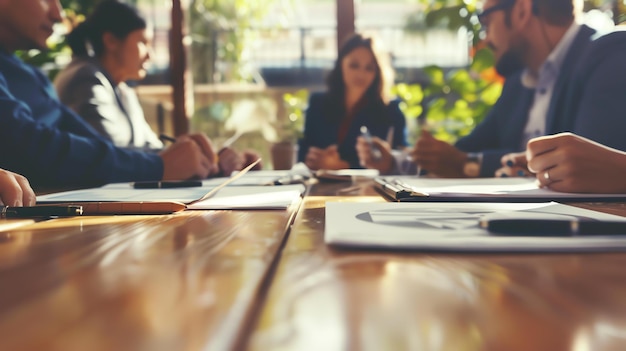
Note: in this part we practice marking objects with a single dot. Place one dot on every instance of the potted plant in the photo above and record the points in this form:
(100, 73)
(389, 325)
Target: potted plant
(288, 130)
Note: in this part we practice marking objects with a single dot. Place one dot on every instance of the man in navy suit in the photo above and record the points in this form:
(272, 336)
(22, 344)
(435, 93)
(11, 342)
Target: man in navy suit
(561, 76)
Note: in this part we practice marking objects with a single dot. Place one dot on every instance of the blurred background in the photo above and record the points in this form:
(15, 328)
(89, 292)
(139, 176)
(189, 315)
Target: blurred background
(253, 63)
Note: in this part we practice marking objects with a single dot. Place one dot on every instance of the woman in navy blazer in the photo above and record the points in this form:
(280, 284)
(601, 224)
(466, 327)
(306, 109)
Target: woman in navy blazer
(357, 96)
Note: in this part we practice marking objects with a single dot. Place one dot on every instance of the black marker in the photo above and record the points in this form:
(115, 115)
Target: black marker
(165, 184)
(40, 211)
(553, 227)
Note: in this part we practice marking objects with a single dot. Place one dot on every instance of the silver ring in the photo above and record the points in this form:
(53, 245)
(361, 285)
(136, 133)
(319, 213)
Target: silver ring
(546, 176)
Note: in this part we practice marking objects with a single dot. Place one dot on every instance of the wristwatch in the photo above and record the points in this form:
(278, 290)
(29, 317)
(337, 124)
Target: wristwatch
(471, 168)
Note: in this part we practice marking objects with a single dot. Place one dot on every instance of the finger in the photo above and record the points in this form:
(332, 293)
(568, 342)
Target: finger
(544, 161)
(10, 190)
(541, 145)
(514, 159)
(28, 195)
(549, 176)
(205, 145)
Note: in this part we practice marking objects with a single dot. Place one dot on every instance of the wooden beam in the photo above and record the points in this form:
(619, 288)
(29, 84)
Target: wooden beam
(180, 76)
(345, 20)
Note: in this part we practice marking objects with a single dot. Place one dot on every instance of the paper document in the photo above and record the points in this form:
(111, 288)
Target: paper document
(230, 197)
(453, 227)
(408, 188)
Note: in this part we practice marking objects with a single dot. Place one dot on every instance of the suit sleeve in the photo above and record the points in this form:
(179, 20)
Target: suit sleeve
(601, 115)
(69, 155)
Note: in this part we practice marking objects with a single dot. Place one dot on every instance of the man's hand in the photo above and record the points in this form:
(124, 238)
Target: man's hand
(571, 163)
(191, 156)
(15, 190)
(438, 157)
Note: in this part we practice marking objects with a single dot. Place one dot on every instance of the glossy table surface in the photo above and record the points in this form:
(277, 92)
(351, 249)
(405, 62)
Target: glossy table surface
(219, 280)
(180, 282)
(326, 299)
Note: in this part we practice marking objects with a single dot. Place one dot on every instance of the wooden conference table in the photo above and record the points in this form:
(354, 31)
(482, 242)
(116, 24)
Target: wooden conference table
(220, 280)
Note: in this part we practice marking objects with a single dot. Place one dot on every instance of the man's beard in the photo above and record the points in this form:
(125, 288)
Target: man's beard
(509, 63)
(512, 60)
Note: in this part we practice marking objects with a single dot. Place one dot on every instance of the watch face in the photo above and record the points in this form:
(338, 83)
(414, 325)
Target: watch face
(471, 169)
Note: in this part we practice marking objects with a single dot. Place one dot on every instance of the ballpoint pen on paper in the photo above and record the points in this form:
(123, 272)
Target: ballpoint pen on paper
(365, 133)
(41, 211)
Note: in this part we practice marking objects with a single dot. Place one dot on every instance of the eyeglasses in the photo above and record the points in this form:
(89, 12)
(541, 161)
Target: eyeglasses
(504, 5)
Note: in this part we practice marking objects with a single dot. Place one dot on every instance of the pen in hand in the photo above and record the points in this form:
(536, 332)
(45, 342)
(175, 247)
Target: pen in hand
(40, 211)
(365, 133)
(165, 137)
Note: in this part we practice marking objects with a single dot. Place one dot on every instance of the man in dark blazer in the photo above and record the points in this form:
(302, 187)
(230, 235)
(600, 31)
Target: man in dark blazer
(560, 76)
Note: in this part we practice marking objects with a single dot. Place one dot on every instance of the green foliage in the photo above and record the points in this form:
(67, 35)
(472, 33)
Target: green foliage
(292, 128)
(453, 102)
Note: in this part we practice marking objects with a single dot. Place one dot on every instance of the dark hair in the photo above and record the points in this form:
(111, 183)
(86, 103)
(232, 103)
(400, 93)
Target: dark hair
(377, 92)
(109, 16)
(555, 12)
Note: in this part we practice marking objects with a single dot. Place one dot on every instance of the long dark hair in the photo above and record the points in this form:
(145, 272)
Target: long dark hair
(109, 16)
(378, 91)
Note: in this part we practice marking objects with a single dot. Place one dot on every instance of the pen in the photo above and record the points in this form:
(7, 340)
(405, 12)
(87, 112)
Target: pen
(129, 207)
(165, 137)
(553, 227)
(290, 179)
(167, 184)
(41, 211)
(365, 133)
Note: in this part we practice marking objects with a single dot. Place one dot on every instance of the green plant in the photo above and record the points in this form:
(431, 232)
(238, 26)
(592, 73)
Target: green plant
(291, 128)
(452, 103)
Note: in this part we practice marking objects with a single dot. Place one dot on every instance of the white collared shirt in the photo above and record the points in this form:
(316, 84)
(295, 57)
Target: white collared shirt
(543, 84)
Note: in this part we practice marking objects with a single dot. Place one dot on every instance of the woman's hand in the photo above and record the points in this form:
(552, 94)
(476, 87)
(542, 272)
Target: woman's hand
(327, 158)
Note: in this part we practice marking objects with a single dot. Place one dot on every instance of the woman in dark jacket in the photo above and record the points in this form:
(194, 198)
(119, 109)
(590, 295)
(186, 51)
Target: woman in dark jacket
(357, 95)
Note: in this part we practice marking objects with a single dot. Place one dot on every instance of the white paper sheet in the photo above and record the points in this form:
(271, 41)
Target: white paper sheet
(451, 227)
(230, 197)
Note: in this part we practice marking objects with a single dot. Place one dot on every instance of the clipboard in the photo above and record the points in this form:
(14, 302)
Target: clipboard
(513, 190)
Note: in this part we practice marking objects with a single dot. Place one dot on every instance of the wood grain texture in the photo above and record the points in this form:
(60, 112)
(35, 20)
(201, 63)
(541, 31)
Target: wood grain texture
(178, 282)
(327, 299)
